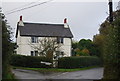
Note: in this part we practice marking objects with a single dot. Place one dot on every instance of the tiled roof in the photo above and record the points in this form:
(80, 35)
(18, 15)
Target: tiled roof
(44, 30)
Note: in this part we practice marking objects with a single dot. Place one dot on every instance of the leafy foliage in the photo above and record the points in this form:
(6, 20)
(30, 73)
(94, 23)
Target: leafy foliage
(87, 47)
(99, 42)
(29, 61)
(111, 51)
(84, 52)
(78, 62)
(109, 43)
(7, 48)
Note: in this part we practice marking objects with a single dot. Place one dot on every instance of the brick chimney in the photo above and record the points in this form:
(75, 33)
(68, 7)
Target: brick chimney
(65, 23)
(20, 23)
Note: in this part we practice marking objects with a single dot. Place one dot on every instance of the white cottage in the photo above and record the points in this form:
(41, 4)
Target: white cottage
(31, 32)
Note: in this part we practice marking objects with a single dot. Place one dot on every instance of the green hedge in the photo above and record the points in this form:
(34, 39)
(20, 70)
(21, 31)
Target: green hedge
(29, 61)
(78, 62)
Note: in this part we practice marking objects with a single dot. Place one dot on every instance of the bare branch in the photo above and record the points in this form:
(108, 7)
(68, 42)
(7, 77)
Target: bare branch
(46, 45)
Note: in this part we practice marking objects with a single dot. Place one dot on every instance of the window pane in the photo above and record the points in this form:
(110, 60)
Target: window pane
(61, 40)
(32, 39)
(36, 53)
(32, 53)
(62, 54)
(58, 40)
(36, 39)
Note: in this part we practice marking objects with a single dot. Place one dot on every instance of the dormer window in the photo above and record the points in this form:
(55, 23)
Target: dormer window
(34, 39)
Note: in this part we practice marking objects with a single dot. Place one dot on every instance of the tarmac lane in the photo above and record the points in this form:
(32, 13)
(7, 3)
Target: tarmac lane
(84, 75)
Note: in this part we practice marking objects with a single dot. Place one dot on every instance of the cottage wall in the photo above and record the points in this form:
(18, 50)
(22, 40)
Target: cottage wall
(24, 45)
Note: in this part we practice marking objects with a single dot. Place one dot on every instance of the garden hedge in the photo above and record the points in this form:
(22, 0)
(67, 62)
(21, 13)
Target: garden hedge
(78, 62)
(29, 61)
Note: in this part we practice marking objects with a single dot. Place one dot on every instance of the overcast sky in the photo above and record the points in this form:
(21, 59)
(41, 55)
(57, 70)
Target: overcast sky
(84, 18)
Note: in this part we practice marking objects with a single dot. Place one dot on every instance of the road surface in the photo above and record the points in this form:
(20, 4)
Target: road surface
(95, 73)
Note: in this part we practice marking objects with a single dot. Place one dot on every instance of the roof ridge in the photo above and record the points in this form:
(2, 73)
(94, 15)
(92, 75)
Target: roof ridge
(42, 23)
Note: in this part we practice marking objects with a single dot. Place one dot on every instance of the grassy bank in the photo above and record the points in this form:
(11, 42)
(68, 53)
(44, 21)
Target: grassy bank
(55, 69)
(8, 76)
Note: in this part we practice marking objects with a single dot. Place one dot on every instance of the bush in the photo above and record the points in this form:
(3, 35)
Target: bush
(82, 54)
(78, 62)
(29, 61)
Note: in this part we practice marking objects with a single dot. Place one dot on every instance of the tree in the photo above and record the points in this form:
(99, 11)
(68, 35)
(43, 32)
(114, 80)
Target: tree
(88, 44)
(99, 42)
(74, 47)
(7, 48)
(111, 50)
(84, 52)
(47, 47)
(74, 44)
(110, 44)
(83, 43)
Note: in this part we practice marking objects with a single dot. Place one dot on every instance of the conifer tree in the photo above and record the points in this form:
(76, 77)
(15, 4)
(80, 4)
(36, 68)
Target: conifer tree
(7, 48)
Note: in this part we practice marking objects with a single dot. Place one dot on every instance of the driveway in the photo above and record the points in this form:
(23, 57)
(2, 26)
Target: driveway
(95, 73)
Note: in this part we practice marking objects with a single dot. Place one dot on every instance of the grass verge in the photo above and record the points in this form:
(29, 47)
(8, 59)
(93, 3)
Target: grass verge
(8, 75)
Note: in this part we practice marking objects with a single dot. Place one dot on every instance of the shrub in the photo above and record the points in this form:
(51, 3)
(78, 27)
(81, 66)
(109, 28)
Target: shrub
(78, 62)
(29, 61)
(82, 54)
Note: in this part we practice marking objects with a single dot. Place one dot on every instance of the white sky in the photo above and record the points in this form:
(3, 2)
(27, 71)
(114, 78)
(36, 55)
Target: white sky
(84, 18)
(59, 0)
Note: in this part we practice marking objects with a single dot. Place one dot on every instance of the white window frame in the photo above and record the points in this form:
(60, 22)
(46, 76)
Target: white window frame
(34, 39)
(34, 53)
(60, 40)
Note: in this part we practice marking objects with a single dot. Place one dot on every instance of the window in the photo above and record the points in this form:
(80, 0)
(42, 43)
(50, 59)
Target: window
(60, 40)
(34, 39)
(34, 53)
(62, 54)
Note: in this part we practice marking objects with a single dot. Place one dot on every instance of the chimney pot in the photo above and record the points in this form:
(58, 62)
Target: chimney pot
(65, 23)
(20, 18)
(65, 20)
(20, 23)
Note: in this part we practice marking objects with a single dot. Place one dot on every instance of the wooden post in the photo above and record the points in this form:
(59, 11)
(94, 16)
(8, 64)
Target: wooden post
(110, 11)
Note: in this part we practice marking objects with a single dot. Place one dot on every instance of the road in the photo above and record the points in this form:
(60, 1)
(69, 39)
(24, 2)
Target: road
(95, 73)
